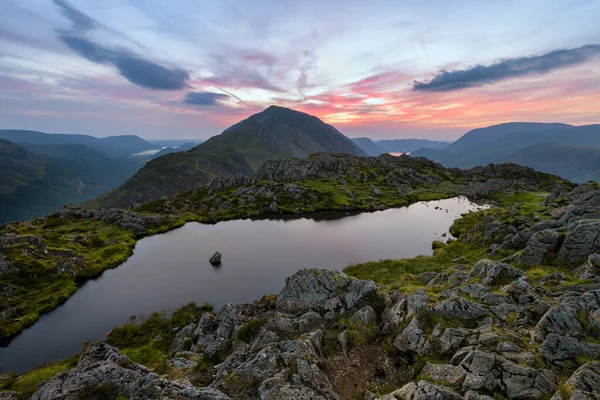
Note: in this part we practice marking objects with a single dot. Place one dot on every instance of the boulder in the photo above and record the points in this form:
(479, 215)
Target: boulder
(571, 317)
(585, 381)
(215, 259)
(322, 289)
(413, 338)
(423, 390)
(558, 348)
(582, 240)
(539, 246)
(461, 308)
(103, 372)
(365, 315)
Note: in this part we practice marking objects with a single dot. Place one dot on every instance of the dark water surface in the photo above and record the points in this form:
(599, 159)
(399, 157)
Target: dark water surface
(169, 270)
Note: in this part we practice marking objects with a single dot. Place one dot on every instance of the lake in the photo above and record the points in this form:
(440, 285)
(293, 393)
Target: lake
(169, 270)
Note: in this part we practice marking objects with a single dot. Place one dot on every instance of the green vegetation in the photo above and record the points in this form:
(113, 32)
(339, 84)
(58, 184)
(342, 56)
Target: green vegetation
(470, 246)
(156, 331)
(38, 179)
(54, 256)
(249, 330)
(27, 384)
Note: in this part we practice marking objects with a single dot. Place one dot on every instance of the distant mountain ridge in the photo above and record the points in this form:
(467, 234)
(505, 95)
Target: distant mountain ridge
(377, 147)
(118, 146)
(40, 177)
(274, 133)
(537, 145)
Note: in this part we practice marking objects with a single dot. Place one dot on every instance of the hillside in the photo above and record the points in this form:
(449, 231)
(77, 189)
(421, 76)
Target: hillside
(18, 166)
(501, 143)
(116, 146)
(368, 146)
(39, 179)
(274, 133)
(484, 314)
(571, 162)
(322, 181)
(179, 148)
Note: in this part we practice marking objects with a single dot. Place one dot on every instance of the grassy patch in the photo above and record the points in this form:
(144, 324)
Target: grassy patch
(26, 384)
(249, 330)
(148, 341)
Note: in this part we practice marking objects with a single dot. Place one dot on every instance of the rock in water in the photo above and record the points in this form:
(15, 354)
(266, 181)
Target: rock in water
(215, 259)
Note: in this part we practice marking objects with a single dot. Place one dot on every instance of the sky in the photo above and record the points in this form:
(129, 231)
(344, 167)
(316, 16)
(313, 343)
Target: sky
(383, 69)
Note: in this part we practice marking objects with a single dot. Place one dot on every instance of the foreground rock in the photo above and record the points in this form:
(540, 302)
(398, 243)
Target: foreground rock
(103, 372)
(489, 330)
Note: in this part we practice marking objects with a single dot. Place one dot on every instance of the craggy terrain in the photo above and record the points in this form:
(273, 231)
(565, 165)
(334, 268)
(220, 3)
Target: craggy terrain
(510, 308)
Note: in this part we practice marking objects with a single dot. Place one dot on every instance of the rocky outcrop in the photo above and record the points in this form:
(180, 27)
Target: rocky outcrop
(582, 240)
(103, 372)
(333, 292)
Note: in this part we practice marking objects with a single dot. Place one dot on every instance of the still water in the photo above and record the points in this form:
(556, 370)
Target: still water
(169, 270)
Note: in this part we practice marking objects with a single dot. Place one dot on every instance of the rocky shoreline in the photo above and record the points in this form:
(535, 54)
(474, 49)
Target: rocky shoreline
(493, 329)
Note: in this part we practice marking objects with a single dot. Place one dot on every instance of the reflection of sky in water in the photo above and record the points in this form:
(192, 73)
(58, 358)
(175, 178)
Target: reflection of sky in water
(169, 270)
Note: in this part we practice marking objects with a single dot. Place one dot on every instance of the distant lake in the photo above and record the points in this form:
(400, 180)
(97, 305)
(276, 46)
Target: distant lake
(148, 152)
(169, 270)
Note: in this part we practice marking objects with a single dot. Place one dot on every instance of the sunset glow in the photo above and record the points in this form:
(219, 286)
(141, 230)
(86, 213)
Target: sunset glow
(190, 69)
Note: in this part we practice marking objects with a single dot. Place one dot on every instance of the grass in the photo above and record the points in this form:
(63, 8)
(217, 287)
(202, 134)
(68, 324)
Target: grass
(26, 384)
(74, 250)
(248, 331)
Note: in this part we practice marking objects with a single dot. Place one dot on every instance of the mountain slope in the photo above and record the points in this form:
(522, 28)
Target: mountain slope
(117, 146)
(571, 162)
(18, 166)
(369, 146)
(500, 143)
(39, 179)
(169, 150)
(274, 133)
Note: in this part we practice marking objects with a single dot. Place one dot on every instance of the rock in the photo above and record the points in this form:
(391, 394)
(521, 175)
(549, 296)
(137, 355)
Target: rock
(564, 319)
(452, 374)
(582, 240)
(590, 270)
(413, 338)
(395, 315)
(558, 348)
(417, 301)
(376, 191)
(343, 340)
(585, 381)
(267, 372)
(460, 307)
(423, 390)
(452, 339)
(9, 395)
(182, 363)
(494, 373)
(316, 289)
(103, 371)
(540, 246)
(365, 315)
(215, 259)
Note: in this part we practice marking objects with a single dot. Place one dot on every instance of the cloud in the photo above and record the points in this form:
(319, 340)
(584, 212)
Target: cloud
(480, 75)
(131, 66)
(309, 64)
(80, 22)
(203, 98)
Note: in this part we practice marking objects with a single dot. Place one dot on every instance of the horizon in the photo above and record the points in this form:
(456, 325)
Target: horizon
(379, 70)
